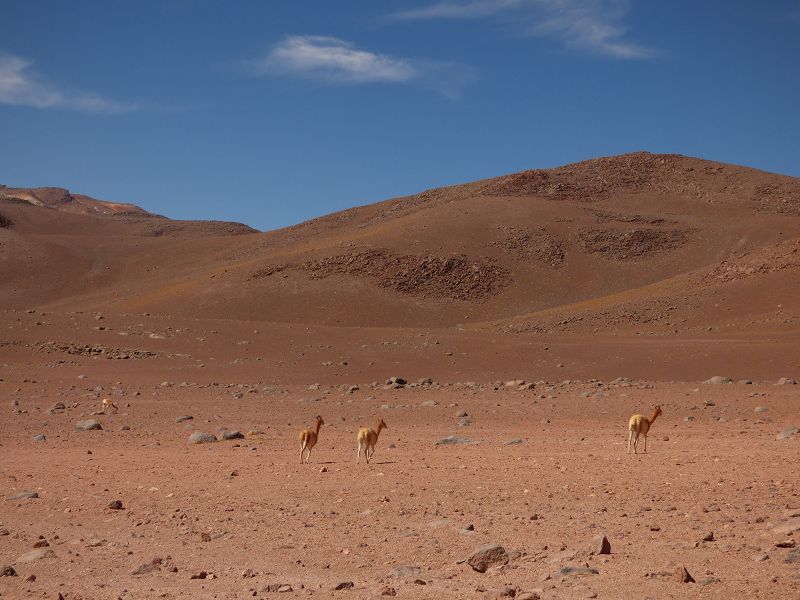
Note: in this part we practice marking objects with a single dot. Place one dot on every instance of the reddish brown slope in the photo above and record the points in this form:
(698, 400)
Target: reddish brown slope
(599, 245)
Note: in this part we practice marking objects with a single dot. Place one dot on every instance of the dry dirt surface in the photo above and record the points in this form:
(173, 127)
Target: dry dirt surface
(531, 315)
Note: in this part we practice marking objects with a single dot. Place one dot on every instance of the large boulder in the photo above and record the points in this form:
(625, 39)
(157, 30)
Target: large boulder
(487, 555)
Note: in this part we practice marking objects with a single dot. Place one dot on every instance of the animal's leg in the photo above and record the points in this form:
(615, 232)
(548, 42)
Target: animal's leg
(358, 454)
(630, 439)
(366, 453)
(302, 449)
(645, 443)
(635, 442)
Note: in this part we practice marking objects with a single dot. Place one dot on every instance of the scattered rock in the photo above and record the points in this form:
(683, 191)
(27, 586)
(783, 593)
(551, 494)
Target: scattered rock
(709, 403)
(793, 556)
(37, 554)
(573, 571)
(233, 435)
(200, 575)
(787, 433)
(8, 572)
(153, 565)
(23, 496)
(684, 576)
(57, 409)
(513, 442)
(600, 545)
(786, 381)
(182, 418)
(718, 379)
(456, 439)
(709, 537)
(388, 591)
(760, 409)
(39, 438)
(486, 556)
(461, 413)
(396, 382)
(405, 571)
(88, 425)
(198, 437)
(115, 505)
(344, 585)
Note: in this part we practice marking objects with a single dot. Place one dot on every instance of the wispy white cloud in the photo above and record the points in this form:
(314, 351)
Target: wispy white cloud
(593, 26)
(333, 60)
(20, 85)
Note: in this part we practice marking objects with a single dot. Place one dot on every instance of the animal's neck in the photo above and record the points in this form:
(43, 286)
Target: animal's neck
(318, 426)
(653, 418)
(378, 428)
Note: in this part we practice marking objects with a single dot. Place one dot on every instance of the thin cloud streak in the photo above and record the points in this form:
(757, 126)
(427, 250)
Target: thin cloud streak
(593, 26)
(332, 59)
(22, 86)
(336, 61)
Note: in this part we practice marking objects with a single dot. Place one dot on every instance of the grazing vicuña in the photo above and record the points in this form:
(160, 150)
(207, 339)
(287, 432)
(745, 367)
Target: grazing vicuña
(308, 439)
(367, 438)
(640, 425)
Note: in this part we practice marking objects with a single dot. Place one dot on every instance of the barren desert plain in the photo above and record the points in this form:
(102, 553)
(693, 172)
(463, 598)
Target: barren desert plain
(505, 330)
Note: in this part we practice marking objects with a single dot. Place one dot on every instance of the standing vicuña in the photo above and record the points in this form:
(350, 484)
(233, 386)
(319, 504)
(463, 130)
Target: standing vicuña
(308, 439)
(640, 425)
(367, 438)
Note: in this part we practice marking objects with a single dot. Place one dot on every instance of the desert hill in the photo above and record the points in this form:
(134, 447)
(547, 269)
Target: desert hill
(599, 244)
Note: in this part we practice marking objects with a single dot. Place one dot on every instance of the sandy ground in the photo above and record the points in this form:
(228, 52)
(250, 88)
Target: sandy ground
(249, 516)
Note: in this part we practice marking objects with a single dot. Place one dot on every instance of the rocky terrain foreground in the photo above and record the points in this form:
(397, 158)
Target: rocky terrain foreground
(505, 331)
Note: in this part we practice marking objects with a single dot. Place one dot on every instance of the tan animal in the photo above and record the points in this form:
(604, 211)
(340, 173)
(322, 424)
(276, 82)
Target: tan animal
(640, 425)
(108, 404)
(367, 438)
(308, 439)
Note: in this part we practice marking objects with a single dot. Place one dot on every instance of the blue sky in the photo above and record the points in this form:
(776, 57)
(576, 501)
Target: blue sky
(274, 112)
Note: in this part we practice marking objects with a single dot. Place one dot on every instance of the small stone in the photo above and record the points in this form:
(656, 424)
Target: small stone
(573, 571)
(182, 418)
(461, 413)
(39, 438)
(154, 565)
(786, 381)
(344, 585)
(88, 425)
(787, 433)
(31, 578)
(718, 379)
(760, 409)
(57, 409)
(456, 439)
(115, 505)
(709, 403)
(233, 435)
(514, 442)
(37, 554)
(323, 470)
(23, 496)
(42, 543)
(709, 537)
(684, 576)
(388, 591)
(201, 575)
(8, 572)
(405, 571)
(198, 437)
(601, 545)
(486, 556)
